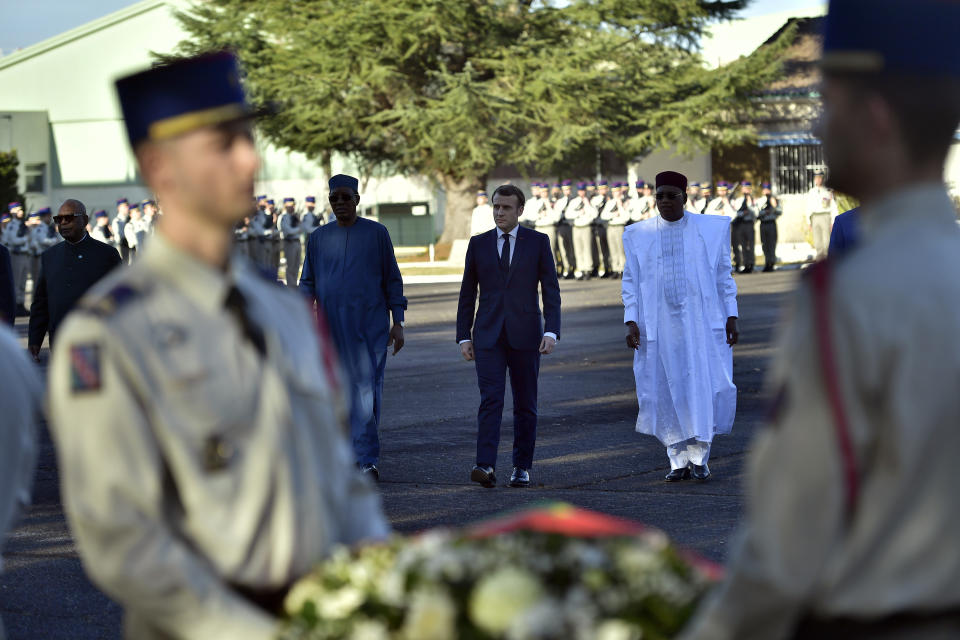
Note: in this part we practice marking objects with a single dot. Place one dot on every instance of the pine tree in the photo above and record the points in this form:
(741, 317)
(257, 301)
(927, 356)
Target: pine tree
(9, 175)
(453, 88)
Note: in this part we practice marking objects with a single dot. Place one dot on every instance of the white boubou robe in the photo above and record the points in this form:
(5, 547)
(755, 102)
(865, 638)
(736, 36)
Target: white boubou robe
(677, 286)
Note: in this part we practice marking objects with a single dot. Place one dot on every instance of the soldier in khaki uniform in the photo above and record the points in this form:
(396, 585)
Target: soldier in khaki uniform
(198, 415)
(852, 508)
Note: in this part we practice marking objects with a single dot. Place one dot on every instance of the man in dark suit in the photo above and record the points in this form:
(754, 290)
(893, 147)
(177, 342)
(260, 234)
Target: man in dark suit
(67, 271)
(845, 233)
(8, 297)
(507, 263)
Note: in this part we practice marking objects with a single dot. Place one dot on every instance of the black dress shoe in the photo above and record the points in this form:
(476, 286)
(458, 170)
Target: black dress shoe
(676, 475)
(371, 470)
(484, 476)
(699, 472)
(520, 477)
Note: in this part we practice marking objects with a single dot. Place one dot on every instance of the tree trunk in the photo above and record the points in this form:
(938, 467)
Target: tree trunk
(461, 199)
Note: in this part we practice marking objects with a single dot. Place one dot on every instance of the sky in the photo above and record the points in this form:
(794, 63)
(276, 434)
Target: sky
(26, 22)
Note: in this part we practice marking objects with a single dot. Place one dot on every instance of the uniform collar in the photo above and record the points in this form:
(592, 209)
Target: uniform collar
(926, 201)
(205, 285)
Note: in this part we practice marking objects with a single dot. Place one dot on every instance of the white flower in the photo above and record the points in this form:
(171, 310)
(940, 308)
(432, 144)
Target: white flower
(390, 589)
(369, 630)
(543, 620)
(432, 616)
(616, 630)
(502, 596)
(339, 604)
(304, 591)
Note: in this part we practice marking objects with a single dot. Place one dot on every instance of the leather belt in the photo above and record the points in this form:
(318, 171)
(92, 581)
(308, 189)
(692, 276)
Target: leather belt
(270, 600)
(892, 626)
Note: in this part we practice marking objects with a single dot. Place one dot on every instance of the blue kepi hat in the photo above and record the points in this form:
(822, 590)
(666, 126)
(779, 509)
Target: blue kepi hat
(894, 37)
(342, 180)
(167, 101)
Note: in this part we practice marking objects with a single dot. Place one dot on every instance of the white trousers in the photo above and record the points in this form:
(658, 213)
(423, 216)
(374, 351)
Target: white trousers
(690, 451)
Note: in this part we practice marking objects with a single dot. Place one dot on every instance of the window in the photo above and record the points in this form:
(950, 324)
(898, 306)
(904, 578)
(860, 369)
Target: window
(36, 177)
(793, 166)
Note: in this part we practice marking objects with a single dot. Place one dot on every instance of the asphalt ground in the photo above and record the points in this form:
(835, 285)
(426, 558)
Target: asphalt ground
(587, 451)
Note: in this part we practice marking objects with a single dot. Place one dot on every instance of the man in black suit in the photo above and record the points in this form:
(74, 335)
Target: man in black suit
(507, 263)
(8, 297)
(67, 271)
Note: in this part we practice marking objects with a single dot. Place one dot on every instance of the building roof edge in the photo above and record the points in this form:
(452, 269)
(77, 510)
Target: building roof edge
(80, 32)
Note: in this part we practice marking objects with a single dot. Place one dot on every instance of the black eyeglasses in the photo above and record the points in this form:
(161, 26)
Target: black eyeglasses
(340, 197)
(62, 219)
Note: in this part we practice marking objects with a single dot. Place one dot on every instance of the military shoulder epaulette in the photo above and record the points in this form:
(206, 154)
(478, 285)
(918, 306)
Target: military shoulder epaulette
(113, 300)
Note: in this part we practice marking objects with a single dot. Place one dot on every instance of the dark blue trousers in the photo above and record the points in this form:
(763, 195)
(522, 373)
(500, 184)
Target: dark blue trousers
(492, 366)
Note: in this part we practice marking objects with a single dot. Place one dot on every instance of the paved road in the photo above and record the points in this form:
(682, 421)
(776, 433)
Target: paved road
(587, 451)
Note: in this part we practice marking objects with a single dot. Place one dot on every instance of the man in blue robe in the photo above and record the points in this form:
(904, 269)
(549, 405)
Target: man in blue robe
(350, 270)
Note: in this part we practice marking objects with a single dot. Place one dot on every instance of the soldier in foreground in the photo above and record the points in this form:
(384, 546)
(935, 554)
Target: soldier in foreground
(197, 415)
(852, 512)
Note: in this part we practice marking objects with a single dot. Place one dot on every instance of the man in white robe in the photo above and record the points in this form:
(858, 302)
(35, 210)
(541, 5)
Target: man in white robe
(680, 310)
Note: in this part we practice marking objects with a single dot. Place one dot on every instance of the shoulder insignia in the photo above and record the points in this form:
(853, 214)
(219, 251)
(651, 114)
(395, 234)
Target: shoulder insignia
(85, 367)
(109, 303)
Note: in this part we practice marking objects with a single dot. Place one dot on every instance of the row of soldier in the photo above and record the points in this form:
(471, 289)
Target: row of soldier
(586, 228)
(267, 234)
(26, 237)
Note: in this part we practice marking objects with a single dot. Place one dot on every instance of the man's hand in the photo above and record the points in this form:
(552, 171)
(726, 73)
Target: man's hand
(34, 350)
(547, 345)
(396, 338)
(733, 331)
(466, 349)
(633, 335)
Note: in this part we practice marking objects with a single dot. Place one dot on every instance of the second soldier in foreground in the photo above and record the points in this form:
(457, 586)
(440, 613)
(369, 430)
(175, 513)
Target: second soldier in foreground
(198, 417)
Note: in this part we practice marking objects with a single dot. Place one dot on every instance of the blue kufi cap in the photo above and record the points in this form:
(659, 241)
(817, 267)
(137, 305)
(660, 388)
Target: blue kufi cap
(915, 37)
(581, 186)
(342, 180)
(167, 101)
(310, 199)
(121, 201)
(288, 199)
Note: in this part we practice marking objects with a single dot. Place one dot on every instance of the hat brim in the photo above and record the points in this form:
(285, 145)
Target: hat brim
(186, 122)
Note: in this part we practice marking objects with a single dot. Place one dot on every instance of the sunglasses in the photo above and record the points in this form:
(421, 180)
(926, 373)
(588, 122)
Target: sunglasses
(62, 219)
(669, 196)
(340, 197)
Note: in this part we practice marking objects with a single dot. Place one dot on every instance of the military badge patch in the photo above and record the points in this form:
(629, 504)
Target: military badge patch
(85, 368)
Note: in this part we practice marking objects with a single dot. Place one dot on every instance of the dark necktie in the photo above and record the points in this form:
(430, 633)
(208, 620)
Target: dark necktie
(505, 254)
(236, 304)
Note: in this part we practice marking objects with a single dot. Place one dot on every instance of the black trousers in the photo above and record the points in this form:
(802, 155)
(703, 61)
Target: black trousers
(742, 237)
(768, 240)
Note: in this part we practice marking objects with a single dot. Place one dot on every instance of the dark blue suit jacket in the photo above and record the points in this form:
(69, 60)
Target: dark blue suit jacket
(845, 232)
(509, 301)
(8, 298)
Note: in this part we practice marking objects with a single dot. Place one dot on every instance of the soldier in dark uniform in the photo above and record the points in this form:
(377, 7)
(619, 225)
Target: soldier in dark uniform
(769, 207)
(742, 227)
